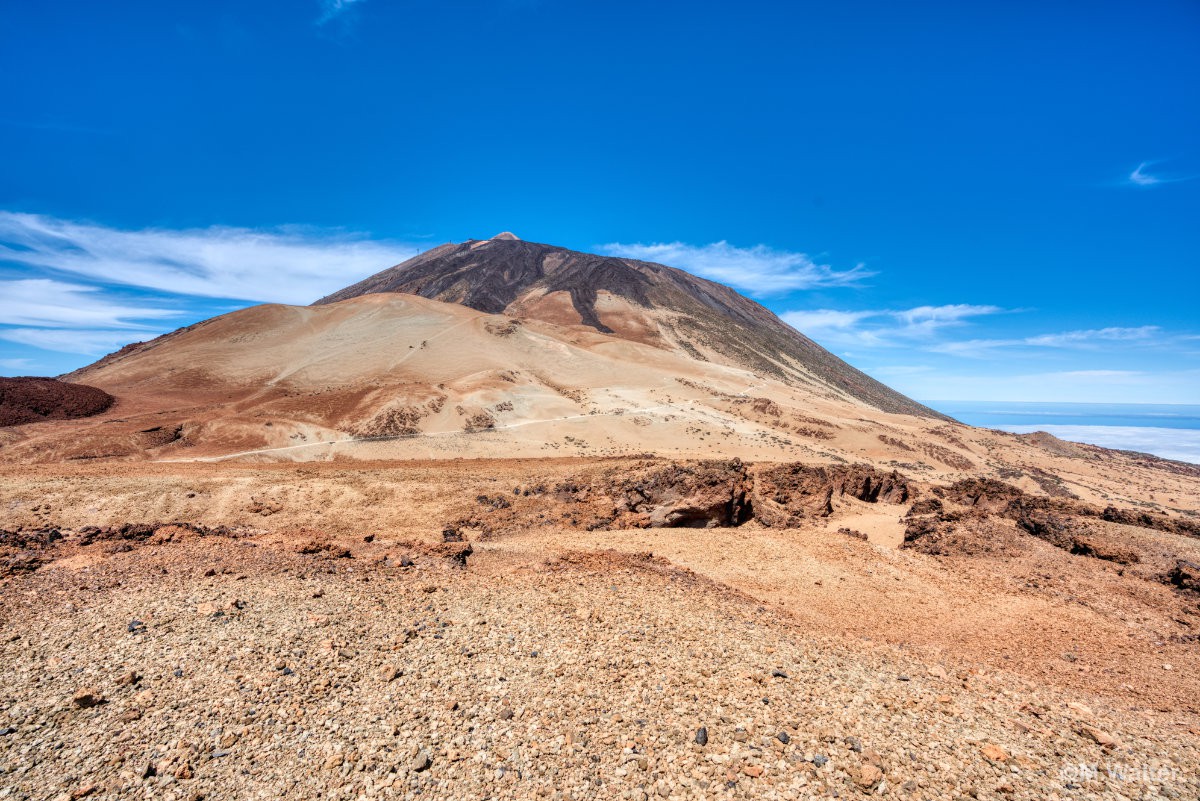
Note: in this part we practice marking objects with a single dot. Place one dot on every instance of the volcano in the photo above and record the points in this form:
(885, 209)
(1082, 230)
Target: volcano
(636, 300)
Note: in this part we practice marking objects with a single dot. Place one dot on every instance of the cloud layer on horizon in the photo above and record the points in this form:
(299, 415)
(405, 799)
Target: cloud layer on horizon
(1170, 443)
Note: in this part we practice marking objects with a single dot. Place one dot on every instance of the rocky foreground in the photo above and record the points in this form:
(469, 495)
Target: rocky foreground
(237, 665)
(501, 629)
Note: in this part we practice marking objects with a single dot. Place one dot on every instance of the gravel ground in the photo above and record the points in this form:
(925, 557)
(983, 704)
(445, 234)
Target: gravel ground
(217, 668)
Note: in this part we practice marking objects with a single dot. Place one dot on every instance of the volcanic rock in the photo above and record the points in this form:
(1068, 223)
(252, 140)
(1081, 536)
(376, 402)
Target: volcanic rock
(30, 400)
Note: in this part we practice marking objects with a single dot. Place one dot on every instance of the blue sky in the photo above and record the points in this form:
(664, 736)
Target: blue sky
(967, 200)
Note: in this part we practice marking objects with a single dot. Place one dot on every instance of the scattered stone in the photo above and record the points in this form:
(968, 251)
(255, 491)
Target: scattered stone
(389, 673)
(702, 736)
(868, 776)
(1080, 709)
(783, 737)
(87, 697)
(1100, 737)
(129, 679)
(778, 674)
(328, 549)
(421, 762)
(994, 752)
(820, 760)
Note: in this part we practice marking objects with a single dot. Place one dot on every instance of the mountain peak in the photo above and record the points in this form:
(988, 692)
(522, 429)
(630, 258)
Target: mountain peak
(508, 236)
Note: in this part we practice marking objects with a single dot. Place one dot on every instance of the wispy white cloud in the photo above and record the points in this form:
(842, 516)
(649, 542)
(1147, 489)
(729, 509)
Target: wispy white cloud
(46, 302)
(282, 266)
(1092, 335)
(758, 270)
(1140, 178)
(69, 304)
(1092, 338)
(883, 327)
(72, 318)
(925, 320)
(82, 341)
(826, 319)
(332, 9)
(1143, 178)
